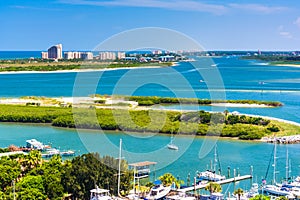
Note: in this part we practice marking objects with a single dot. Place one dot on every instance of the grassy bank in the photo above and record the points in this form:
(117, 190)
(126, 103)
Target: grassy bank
(55, 66)
(196, 123)
(152, 100)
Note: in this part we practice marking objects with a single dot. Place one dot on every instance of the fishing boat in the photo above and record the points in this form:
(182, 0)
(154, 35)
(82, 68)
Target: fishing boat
(211, 175)
(171, 145)
(100, 194)
(158, 191)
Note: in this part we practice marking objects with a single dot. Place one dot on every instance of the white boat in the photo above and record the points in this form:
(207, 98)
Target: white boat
(211, 175)
(158, 192)
(180, 196)
(212, 196)
(296, 192)
(100, 194)
(275, 190)
(171, 145)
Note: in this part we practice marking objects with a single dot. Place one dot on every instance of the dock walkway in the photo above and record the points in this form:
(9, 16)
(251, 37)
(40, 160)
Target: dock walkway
(202, 186)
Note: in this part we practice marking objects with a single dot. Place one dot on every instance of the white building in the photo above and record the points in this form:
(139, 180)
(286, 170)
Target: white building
(44, 55)
(55, 52)
(121, 55)
(107, 56)
(78, 55)
(86, 55)
(69, 55)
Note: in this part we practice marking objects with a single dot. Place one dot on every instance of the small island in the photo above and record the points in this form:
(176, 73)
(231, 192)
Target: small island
(125, 113)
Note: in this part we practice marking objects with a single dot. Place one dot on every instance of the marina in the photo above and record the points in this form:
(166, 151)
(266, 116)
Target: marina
(46, 150)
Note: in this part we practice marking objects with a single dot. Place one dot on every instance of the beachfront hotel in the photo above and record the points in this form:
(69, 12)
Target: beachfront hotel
(78, 55)
(55, 52)
(107, 56)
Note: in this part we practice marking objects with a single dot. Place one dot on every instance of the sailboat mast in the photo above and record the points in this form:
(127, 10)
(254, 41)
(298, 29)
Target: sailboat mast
(215, 159)
(274, 162)
(287, 166)
(119, 171)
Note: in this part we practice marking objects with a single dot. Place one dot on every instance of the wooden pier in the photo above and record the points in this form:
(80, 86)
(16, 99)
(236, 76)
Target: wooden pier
(202, 186)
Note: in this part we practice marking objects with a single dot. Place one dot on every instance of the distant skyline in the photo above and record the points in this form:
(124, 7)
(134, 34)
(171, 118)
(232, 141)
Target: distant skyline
(214, 24)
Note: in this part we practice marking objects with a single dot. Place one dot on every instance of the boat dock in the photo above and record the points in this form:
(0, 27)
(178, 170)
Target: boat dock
(202, 186)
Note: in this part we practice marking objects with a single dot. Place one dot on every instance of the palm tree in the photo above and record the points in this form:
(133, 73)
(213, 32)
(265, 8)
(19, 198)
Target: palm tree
(213, 187)
(281, 198)
(168, 179)
(33, 159)
(239, 192)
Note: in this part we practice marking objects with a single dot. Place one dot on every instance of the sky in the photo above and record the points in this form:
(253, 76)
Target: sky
(214, 24)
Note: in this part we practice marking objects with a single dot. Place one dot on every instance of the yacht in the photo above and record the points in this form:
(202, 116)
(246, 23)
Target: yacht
(212, 196)
(100, 194)
(159, 191)
(180, 196)
(275, 190)
(210, 176)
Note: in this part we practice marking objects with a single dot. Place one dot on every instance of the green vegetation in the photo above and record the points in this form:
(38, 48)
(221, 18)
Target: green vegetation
(168, 179)
(36, 179)
(275, 59)
(152, 100)
(6, 66)
(239, 192)
(213, 187)
(196, 123)
(260, 197)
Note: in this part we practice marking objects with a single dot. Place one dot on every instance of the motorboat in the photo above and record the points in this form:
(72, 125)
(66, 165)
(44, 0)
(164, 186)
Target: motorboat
(210, 176)
(275, 190)
(212, 196)
(180, 196)
(100, 194)
(158, 191)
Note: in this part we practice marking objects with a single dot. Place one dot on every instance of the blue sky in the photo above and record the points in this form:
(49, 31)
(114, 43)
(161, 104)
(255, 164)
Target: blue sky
(215, 24)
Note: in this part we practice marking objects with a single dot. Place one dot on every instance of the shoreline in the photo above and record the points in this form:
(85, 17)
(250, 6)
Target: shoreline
(83, 70)
(240, 105)
(265, 139)
(286, 65)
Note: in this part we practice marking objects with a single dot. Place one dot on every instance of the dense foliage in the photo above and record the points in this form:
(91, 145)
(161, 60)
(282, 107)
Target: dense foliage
(199, 123)
(70, 65)
(34, 178)
(152, 100)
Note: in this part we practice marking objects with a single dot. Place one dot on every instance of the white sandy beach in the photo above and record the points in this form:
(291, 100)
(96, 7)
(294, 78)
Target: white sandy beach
(240, 105)
(80, 70)
(287, 65)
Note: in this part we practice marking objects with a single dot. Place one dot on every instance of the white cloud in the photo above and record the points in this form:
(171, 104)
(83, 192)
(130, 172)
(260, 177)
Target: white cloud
(286, 34)
(34, 8)
(188, 5)
(259, 8)
(297, 22)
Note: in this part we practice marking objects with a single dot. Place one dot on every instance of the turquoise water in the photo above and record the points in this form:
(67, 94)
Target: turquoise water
(241, 80)
(238, 155)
